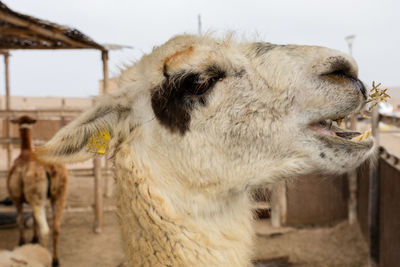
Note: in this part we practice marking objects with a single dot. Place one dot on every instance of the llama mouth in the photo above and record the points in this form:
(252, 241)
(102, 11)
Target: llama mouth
(327, 129)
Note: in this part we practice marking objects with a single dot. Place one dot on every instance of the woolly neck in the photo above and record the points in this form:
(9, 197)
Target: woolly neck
(156, 233)
(26, 139)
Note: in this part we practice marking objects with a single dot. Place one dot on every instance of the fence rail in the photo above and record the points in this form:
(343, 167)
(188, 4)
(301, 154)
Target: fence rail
(379, 201)
(16, 141)
(41, 113)
(82, 173)
(395, 121)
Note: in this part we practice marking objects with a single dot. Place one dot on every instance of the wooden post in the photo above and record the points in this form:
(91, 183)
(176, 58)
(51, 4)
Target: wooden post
(278, 204)
(98, 195)
(7, 125)
(97, 163)
(98, 192)
(104, 57)
(108, 179)
(352, 178)
(63, 122)
(373, 205)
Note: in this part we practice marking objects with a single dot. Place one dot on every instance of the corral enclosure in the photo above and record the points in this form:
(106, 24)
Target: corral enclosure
(311, 211)
(311, 201)
(43, 129)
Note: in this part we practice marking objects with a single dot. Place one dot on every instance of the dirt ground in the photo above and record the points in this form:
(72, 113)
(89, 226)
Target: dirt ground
(340, 245)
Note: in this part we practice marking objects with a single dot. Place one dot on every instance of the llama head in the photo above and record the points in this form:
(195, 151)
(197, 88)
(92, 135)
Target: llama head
(217, 110)
(24, 121)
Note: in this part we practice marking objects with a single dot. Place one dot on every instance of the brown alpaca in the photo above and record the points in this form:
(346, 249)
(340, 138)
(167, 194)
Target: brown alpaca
(34, 182)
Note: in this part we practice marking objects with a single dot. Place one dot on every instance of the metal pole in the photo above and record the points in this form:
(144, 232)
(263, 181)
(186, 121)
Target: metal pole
(373, 204)
(199, 24)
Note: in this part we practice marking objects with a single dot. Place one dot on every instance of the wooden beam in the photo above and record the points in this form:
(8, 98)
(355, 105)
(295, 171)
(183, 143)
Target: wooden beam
(41, 113)
(395, 121)
(44, 32)
(41, 47)
(38, 39)
(77, 173)
(17, 140)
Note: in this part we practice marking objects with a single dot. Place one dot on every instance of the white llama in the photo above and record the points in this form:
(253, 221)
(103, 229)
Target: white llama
(198, 123)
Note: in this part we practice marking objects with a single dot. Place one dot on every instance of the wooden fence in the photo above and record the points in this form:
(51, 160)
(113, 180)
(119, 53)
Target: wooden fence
(387, 243)
(313, 200)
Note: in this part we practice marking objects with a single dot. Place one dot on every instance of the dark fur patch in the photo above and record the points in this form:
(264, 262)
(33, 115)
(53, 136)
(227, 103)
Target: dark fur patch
(177, 96)
(322, 155)
(262, 48)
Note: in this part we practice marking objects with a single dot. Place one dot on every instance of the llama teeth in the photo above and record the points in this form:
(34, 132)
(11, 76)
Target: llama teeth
(339, 121)
(361, 137)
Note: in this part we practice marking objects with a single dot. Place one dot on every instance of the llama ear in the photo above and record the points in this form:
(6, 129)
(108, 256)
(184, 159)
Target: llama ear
(88, 135)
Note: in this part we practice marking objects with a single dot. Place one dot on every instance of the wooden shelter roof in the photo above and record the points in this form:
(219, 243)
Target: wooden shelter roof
(19, 31)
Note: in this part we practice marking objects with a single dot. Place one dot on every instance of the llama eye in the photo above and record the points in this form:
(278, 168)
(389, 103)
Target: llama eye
(202, 86)
(193, 84)
(174, 99)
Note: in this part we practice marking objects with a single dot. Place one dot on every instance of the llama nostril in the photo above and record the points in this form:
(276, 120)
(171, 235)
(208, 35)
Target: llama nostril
(340, 67)
(342, 73)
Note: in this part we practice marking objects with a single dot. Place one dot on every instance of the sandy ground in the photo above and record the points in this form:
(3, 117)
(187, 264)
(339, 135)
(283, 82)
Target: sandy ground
(339, 245)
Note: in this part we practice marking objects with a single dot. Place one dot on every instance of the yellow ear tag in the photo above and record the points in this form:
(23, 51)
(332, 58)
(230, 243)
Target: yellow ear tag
(98, 142)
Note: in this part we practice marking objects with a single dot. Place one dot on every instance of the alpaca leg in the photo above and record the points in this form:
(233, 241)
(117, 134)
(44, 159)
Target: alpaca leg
(35, 238)
(58, 210)
(39, 214)
(20, 222)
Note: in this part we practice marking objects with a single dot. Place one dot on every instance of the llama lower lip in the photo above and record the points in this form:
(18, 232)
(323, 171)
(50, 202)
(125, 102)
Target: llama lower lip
(338, 135)
(322, 129)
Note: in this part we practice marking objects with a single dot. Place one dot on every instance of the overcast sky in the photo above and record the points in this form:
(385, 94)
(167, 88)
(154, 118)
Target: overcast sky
(143, 24)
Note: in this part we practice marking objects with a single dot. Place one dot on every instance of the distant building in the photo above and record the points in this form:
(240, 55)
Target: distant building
(394, 99)
(30, 102)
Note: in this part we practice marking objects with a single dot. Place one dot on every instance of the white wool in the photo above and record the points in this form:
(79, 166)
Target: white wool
(26, 256)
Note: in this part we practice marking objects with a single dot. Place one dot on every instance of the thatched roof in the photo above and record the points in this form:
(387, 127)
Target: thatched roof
(19, 31)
